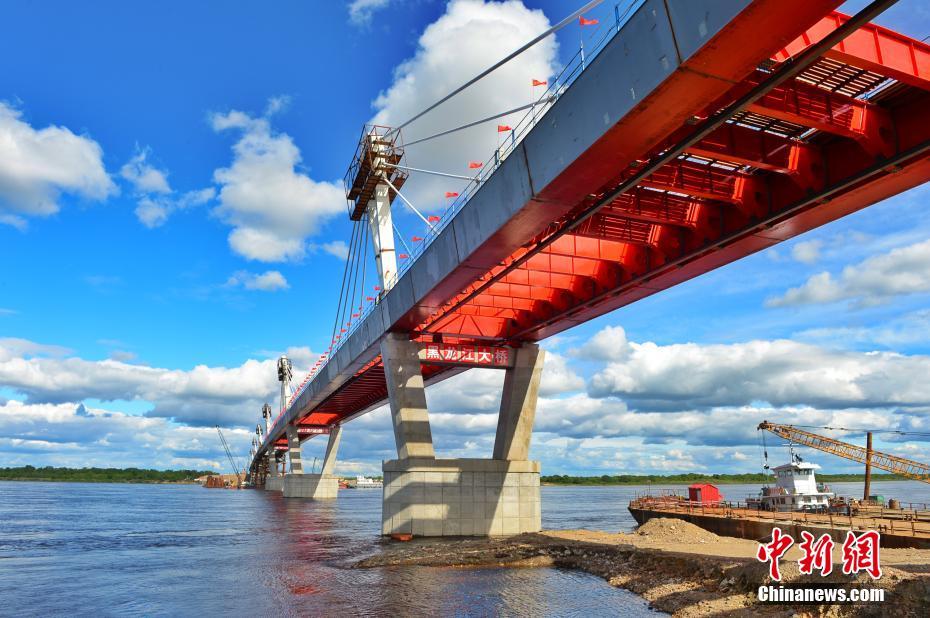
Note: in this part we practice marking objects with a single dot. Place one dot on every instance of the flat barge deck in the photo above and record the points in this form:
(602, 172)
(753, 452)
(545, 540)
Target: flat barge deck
(902, 527)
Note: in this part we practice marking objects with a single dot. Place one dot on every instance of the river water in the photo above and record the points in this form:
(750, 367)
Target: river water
(180, 550)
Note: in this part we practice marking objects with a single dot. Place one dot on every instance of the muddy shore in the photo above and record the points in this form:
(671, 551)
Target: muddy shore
(679, 568)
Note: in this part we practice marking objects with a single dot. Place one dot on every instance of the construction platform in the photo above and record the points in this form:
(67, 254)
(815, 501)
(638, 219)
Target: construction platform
(902, 527)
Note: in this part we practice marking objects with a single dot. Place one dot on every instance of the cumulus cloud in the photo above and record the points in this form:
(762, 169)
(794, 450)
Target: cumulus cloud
(780, 372)
(807, 252)
(154, 210)
(337, 248)
(607, 344)
(200, 396)
(157, 200)
(268, 281)
(143, 176)
(679, 407)
(468, 38)
(271, 206)
(38, 165)
(901, 271)
(69, 434)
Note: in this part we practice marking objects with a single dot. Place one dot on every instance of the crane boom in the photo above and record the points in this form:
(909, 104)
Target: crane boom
(229, 455)
(890, 463)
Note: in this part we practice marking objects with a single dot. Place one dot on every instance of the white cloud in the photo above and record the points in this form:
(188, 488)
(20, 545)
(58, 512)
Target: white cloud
(337, 248)
(199, 396)
(715, 410)
(361, 11)
(468, 38)
(269, 281)
(69, 434)
(901, 271)
(272, 207)
(144, 177)
(609, 343)
(156, 198)
(38, 165)
(781, 372)
(807, 252)
(153, 211)
(909, 329)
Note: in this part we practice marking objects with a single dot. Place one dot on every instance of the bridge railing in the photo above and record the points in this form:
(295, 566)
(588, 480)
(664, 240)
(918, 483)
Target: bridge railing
(589, 48)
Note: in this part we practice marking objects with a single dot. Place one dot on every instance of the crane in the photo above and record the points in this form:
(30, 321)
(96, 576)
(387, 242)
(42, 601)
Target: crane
(866, 455)
(229, 455)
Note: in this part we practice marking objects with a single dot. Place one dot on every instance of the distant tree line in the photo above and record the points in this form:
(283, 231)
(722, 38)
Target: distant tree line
(100, 475)
(675, 479)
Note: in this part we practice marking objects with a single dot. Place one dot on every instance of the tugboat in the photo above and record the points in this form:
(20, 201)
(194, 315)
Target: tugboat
(796, 489)
(363, 482)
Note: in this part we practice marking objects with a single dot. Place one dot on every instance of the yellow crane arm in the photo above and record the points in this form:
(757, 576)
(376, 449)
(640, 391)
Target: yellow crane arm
(898, 465)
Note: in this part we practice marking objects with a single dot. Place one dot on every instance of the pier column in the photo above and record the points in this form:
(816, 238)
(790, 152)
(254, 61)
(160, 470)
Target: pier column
(407, 396)
(518, 404)
(332, 446)
(429, 496)
(293, 449)
(274, 481)
(322, 486)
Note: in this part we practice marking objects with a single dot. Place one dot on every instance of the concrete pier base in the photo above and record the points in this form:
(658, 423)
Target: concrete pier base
(274, 483)
(315, 486)
(460, 497)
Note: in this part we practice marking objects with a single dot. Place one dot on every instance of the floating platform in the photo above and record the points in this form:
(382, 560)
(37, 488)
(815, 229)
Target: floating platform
(903, 527)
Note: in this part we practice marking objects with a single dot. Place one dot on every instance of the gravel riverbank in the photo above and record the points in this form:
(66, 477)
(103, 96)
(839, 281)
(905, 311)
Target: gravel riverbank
(676, 566)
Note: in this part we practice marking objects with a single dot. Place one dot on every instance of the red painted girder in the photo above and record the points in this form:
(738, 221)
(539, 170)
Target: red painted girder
(759, 149)
(650, 206)
(820, 109)
(700, 180)
(871, 47)
(841, 163)
(757, 32)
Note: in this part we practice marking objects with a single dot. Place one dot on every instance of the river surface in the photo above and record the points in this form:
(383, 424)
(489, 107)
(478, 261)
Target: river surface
(180, 550)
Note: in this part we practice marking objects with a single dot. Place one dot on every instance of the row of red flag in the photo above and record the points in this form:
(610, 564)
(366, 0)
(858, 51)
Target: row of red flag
(473, 165)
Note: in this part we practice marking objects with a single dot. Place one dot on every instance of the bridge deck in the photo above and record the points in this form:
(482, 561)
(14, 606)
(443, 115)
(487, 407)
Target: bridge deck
(513, 265)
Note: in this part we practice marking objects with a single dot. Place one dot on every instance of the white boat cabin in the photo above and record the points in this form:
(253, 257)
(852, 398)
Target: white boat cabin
(796, 489)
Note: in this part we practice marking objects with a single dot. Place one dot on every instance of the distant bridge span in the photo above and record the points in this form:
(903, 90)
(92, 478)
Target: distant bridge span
(677, 150)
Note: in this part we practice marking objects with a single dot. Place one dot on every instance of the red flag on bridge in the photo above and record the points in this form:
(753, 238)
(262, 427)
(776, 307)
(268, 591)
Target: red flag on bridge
(432, 218)
(539, 82)
(369, 298)
(587, 22)
(452, 194)
(503, 128)
(473, 165)
(403, 256)
(355, 315)
(377, 287)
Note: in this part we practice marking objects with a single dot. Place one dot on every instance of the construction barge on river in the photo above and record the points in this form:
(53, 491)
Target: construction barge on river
(798, 503)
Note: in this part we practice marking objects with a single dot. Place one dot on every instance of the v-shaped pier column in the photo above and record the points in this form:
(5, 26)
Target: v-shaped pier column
(322, 486)
(426, 496)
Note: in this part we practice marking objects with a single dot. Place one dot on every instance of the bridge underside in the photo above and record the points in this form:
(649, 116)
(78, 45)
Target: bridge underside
(847, 132)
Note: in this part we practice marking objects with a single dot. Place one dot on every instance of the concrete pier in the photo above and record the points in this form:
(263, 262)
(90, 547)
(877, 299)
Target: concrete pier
(322, 486)
(426, 496)
(460, 497)
(315, 486)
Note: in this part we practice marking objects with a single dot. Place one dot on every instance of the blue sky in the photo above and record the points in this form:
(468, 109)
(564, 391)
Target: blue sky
(147, 279)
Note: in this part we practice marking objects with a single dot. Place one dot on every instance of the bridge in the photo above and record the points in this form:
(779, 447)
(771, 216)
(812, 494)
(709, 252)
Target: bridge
(693, 133)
